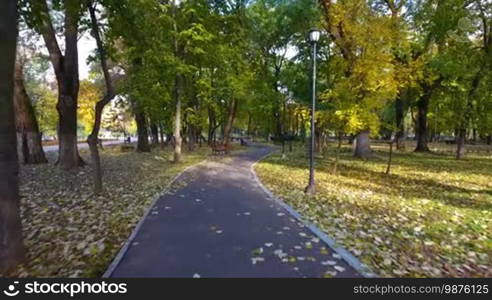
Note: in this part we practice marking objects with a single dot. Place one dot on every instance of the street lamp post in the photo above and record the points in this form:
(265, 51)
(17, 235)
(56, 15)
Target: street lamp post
(314, 36)
(290, 103)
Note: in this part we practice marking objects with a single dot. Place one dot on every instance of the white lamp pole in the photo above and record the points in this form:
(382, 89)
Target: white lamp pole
(314, 36)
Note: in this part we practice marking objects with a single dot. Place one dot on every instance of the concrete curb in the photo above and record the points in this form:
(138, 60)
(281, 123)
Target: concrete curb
(121, 254)
(351, 260)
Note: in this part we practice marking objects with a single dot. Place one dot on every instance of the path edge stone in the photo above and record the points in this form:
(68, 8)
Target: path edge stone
(349, 258)
(121, 253)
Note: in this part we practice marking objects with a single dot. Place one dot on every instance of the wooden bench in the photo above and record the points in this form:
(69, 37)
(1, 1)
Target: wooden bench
(219, 148)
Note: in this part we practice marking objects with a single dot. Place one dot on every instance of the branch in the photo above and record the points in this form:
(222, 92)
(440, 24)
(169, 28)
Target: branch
(101, 51)
(487, 40)
(70, 61)
(45, 28)
(109, 85)
(391, 5)
(336, 37)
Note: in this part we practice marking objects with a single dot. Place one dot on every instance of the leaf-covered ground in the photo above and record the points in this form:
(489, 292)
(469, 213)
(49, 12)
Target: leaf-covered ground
(432, 216)
(70, 232)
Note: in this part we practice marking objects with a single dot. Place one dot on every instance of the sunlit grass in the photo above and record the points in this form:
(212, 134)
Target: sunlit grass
(432, 216)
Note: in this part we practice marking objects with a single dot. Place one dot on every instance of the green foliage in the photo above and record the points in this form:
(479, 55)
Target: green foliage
(45, 100)
(170, 40)
(215, 53)
(464, 64)
(89, 94)
(118, 118)
(362, 65)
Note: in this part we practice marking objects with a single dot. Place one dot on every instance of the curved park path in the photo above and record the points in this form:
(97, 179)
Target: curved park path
(216, 221)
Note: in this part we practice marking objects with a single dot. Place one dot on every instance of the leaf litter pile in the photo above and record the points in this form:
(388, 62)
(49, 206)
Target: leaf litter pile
(67, 230)
(431, 217)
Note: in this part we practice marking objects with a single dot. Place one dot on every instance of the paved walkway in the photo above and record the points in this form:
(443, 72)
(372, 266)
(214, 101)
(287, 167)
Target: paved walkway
(218, 222)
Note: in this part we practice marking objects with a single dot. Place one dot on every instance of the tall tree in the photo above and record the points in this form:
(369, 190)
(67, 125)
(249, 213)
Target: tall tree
(178, 85)
(400, 51)
(277, 26)
(423, 102)
(139, 42)
(11, 247)
(464, 62)
(66, 71)
(142, 128)
(30, 149)
(432, 19)
(93, 138)
(362, 64)
(481, 59)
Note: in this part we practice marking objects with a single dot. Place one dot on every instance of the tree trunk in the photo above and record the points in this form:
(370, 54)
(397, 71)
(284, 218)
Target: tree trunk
(154, 134)
(176, 93)
(278, 123)
(297, 131)
(489, 139)
(67, 76)
(400, 133)
(200, 137)
(177, 132)
(212, 126)
(460, 143)
(276, 113)
(142, 132)
(422, 129)
(170, 139)
(11, 247)
(96, 161)
(30, 148)
(317, 135)
(161, 133)
(68, 154)
(177, 120)
(362, 148)
(351, 139)
(250, 122)
(230, 121)
(302, 124)
(283, 126)
(467, 115)
(390, 157)
(191, 137)
(337, 157)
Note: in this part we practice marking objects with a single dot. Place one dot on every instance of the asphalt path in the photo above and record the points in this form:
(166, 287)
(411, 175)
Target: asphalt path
(216, 221)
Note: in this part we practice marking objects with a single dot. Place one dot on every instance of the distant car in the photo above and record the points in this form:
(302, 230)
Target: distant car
(48, 138)
(448, 139)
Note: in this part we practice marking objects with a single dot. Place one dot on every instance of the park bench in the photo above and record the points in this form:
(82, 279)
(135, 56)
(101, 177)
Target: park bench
(218, 148)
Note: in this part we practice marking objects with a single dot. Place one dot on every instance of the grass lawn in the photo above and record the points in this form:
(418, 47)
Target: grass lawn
(432, 216)
(70, 232)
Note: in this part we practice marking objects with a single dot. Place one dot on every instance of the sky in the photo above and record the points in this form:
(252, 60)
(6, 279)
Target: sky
(86, 45)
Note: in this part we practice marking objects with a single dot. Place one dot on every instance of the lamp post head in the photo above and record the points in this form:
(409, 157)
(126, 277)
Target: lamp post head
(314, 35)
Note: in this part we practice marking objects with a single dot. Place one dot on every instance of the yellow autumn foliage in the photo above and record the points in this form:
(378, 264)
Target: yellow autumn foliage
(89, 94)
